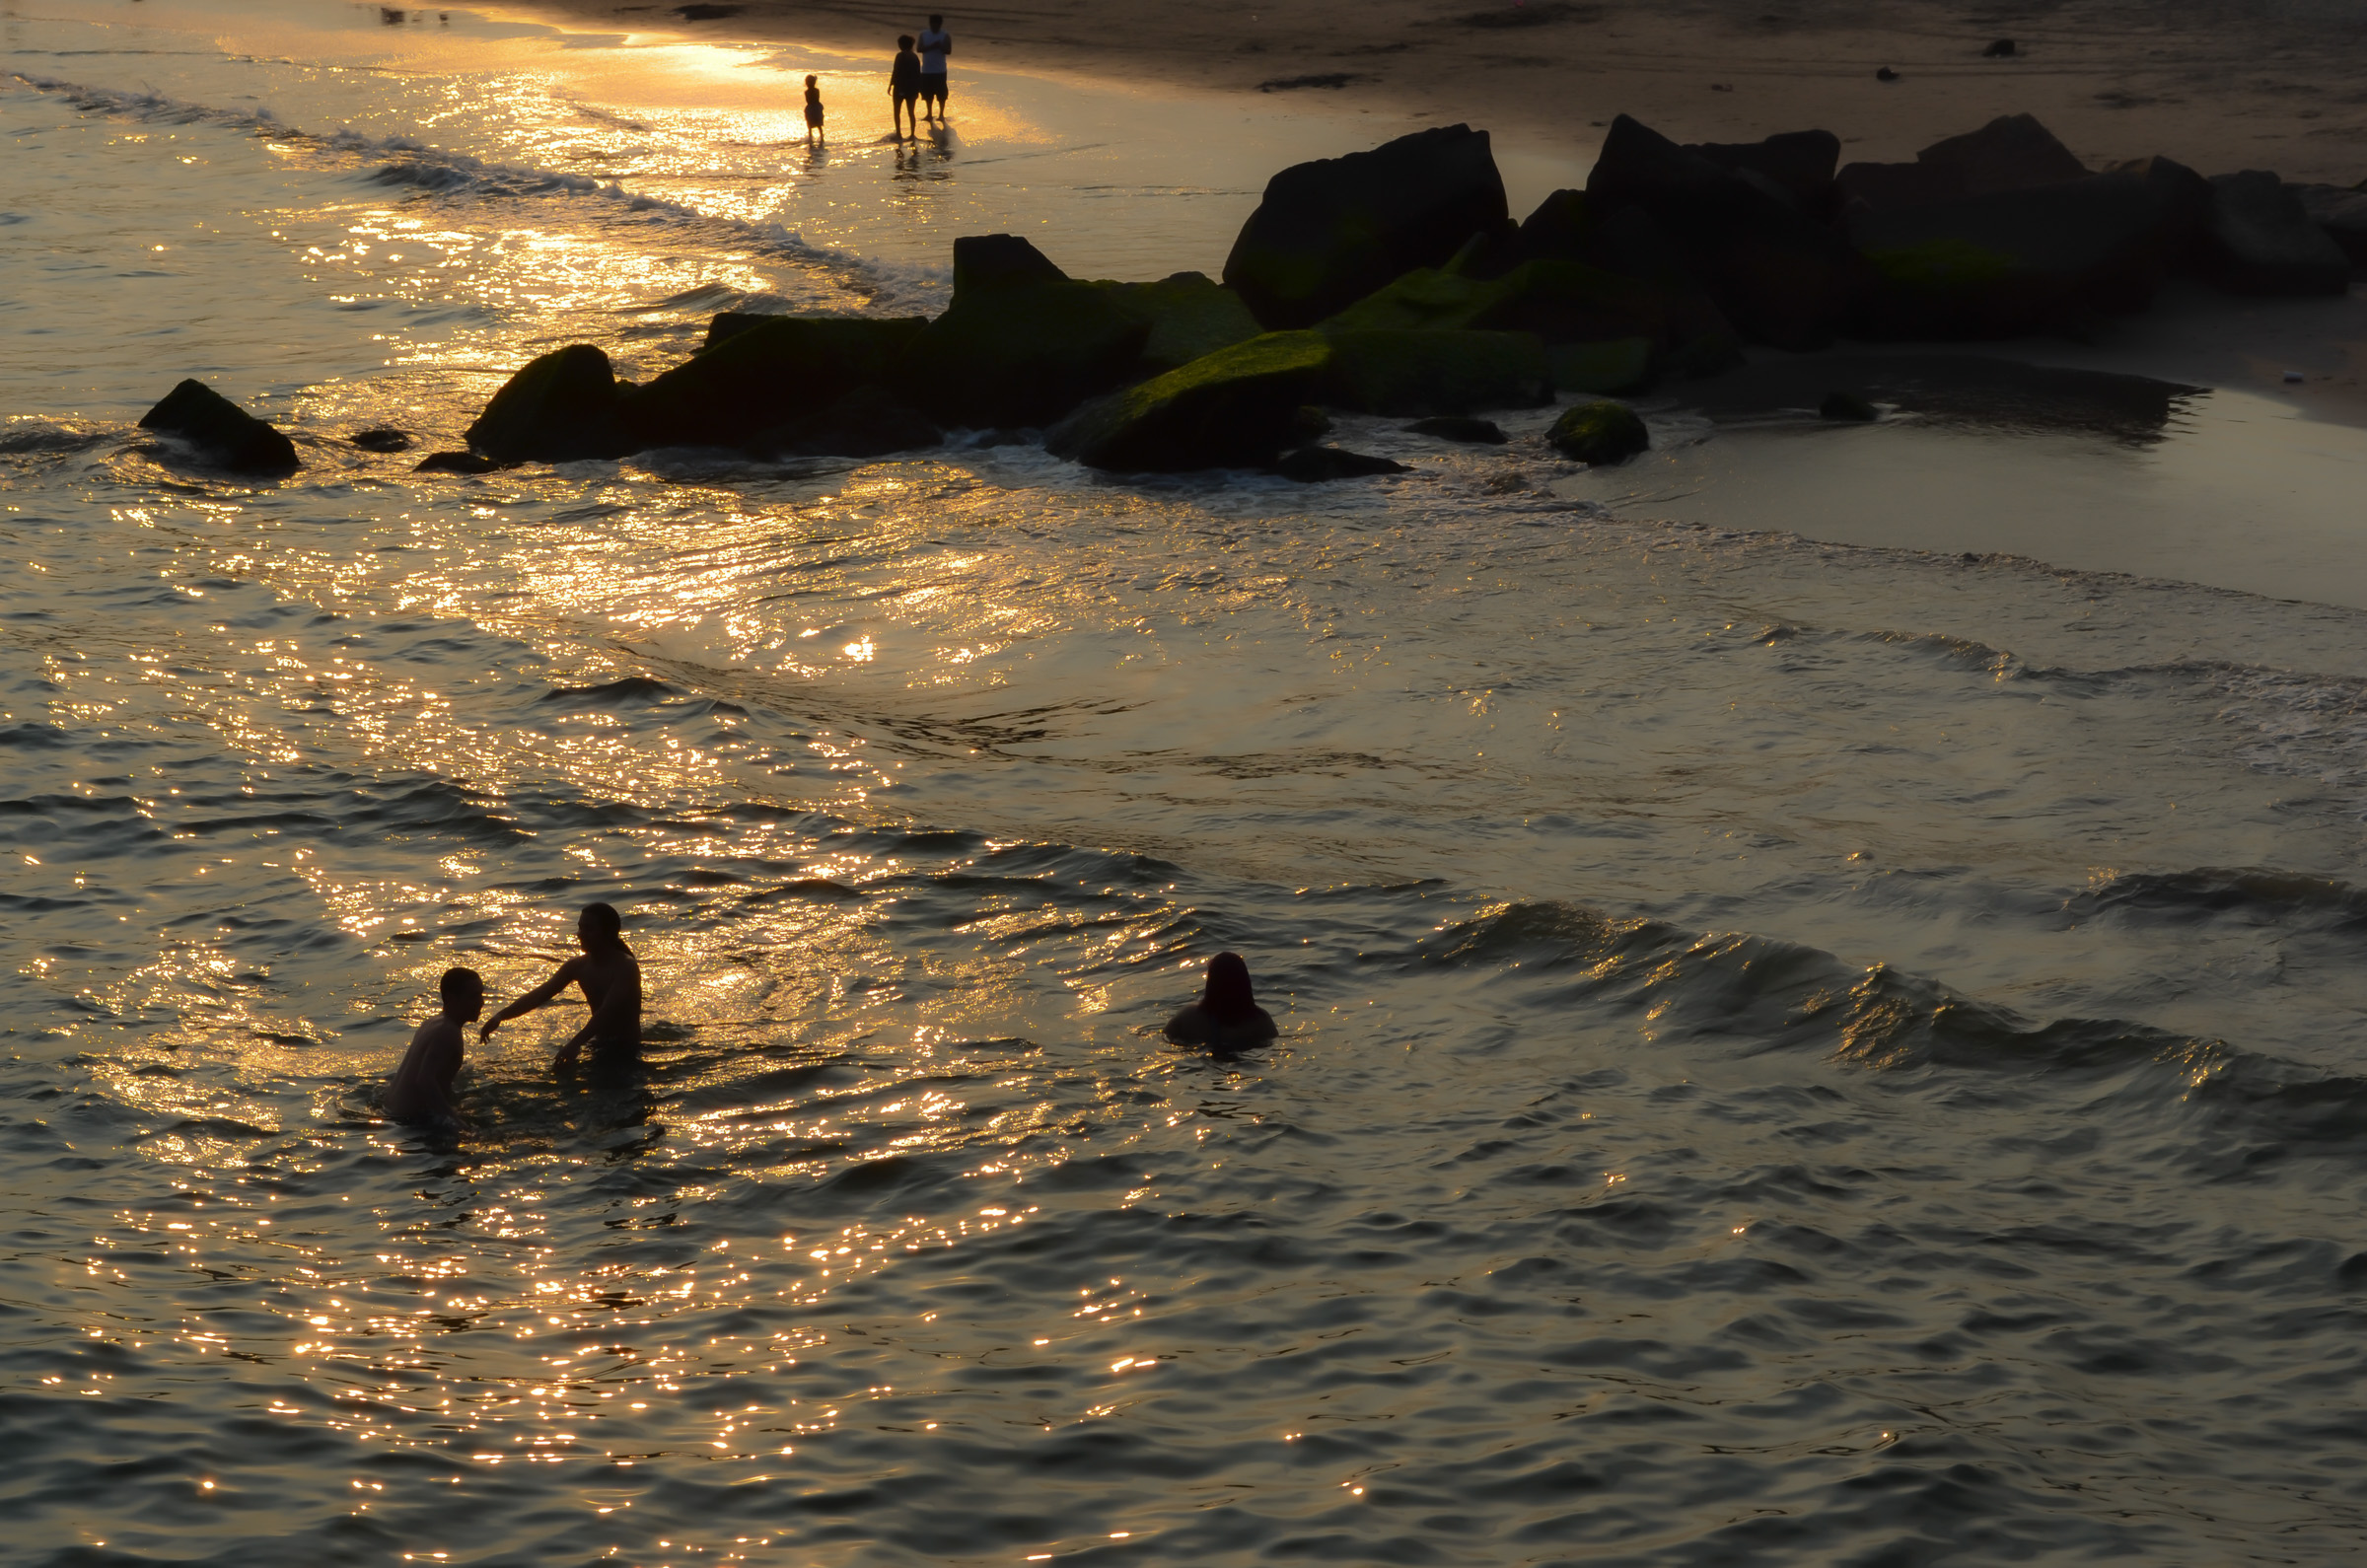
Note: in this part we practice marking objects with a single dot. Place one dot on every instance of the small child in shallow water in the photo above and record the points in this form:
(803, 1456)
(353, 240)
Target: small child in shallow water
(813, 108)
(1227, 1017)
(421, 1089)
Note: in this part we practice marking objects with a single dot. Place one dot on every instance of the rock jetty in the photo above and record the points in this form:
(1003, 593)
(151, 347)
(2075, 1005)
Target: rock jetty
(1396, 282)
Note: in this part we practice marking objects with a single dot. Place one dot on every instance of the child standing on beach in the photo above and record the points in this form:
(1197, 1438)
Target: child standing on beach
(904, 87)
(421, 1089)
(813, 110)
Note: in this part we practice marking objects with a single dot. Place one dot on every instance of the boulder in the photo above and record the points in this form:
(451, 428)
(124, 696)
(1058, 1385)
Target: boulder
(2011, 262)
(1237, 407)
(2342, 212)
(1780, 276)
(869, 421)
(1795, 165)
(561, 408)
(1474, 432)
(1561, 301)
(760, 384)
(382, 438)
(1406, 374)
(1023, 351)
(1848, 408)
(1557, 230)
(993, 260)
(222, 433)
(1317, 465)
(2184, 198)
(2258, 238)
(731, 324)
(1620, 365)
(2012, 152)
(1329, 233)
(456, 462)
(1599, 433)
(1190, 315)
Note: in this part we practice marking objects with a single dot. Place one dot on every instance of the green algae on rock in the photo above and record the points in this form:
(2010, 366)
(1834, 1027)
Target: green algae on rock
(1600, 432)
(1236, 408)
(1407, 374)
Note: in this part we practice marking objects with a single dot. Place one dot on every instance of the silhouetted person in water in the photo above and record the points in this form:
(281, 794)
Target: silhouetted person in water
(813, 110)
(421, 1089)
(904, 87)
(1227, 1017)
(610, 977)
(935, 43)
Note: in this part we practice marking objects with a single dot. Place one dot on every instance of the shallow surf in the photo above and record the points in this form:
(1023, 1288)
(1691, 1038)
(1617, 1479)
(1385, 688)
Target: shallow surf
(1794, 1048)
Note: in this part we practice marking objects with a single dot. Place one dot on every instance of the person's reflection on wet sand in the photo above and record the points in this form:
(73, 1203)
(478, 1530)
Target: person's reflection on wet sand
(1227, 1017)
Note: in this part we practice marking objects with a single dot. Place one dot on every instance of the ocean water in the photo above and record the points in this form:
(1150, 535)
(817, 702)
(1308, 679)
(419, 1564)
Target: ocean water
(1793, 1050)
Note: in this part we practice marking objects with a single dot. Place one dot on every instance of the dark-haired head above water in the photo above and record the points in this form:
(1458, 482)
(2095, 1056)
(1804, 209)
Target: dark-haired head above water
(1227, 1016)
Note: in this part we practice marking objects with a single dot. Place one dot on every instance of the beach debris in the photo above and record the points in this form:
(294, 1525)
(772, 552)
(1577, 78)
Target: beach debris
(1847, 407)
(1452, 427)
(2001, 49)
(1318, 465)
(1404, 373)
(1329, 232)
(382, 438)
(1599, 433)
(560, 408)
(1238, 407)
(2259, 239)
(1886, 74)
(221, 433)
(456, 462)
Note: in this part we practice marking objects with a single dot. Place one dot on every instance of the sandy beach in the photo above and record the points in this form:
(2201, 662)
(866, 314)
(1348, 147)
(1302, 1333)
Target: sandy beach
(2221, 87)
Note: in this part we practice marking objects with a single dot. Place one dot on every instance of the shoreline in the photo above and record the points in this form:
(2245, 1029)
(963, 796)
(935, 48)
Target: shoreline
(2216, 87)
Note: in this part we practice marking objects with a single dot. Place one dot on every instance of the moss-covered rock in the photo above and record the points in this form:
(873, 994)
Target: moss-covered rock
(1024, 352)
(1190, 315)
(220, 432)
(1622, 365)
(1412, 373)
(561, 408)
(1561, 301)
(1599, 432)
(763, 383)
(1236, 408)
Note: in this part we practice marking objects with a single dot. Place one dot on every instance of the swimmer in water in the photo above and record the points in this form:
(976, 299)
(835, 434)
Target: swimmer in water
(421, 1089)
(610, 977)
(1227, 1017)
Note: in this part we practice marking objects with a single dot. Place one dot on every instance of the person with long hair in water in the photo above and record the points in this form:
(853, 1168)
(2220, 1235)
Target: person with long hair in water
(1227, 1017)
(611, 978)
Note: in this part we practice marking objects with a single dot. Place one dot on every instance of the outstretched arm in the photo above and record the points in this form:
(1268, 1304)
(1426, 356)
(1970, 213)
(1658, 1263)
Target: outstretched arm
(540, 996)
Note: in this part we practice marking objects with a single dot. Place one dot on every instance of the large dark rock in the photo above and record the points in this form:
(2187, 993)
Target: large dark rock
(222, 433)
(731, 324)
(1561, 301)
(2012, 152)
(1779, 275)
(1237, 407)
(2259, 239)
(1024, 351)
(992, 260)
(561, 408)
(1330, 232)
(1410, 374)
(2184, 198)
(2342, 212)
(761, 385)
(869, 421)
(1796, 165)
(1318, 465)
(2008, 262)
(1188, 314)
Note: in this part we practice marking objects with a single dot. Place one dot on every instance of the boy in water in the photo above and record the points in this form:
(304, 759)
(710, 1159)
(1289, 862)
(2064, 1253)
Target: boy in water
(813, 108)
(935, 45)
(903, 86)
(611, 978)
(421, 1089)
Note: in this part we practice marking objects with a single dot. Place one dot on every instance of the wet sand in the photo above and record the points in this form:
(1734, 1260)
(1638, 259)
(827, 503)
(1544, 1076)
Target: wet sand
(2219, 86)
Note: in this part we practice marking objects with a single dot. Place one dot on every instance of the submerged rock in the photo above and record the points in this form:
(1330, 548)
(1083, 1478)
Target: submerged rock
(1317, 465)
(2259, 239)
(383, 438)
(1329, 232)
(767, 383)
(561, 408)
(456, 462)
(1237, 407)
(221, 433)
(1599, 433)
(1410, 372)
(1472, 431)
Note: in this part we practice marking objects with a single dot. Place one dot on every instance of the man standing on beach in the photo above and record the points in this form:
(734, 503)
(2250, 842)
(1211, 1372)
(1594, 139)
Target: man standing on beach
(610, 977)
(935, 45)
